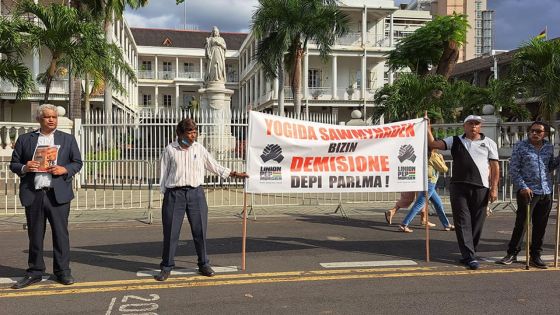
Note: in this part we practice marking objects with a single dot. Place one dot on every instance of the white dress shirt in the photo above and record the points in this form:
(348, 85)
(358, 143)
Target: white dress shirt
(185, 167)
(44, 179)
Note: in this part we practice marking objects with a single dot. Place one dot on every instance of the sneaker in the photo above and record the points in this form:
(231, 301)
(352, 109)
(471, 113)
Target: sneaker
(473, 265)
(450, 227)
(537, 262)
(507, 260)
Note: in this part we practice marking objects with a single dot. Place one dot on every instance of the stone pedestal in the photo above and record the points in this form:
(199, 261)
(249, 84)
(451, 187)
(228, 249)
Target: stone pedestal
(215, 100)
(491, 126)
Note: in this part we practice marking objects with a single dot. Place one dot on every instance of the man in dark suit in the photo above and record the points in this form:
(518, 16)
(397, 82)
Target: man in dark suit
(46, 195)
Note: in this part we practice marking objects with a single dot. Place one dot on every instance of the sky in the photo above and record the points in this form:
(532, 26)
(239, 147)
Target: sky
(515, 21)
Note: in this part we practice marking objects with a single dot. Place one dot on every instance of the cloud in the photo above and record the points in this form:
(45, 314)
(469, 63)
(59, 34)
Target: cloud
(228, 15)
(515, 21)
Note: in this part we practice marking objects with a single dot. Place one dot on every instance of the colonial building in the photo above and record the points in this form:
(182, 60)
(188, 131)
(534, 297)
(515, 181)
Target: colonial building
(170, 67)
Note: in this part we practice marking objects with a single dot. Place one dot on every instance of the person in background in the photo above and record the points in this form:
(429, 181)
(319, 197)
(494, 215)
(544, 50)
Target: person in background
(405, 200)
(183, 163)
(474, 183)
(532, 162)
(436, 164)
(46, 195)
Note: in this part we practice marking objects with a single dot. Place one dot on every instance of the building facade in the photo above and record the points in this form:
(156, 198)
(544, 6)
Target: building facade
(170, 67)
(479, 36)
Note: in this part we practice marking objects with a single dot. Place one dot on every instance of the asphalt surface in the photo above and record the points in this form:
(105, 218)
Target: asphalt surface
(379, 271)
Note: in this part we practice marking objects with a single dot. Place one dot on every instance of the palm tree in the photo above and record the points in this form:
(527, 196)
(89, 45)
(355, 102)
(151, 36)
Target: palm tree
(14, 41)
(435, 44)
(110, 10)
(58, 31)
(286, 27)
(409, 96)
(97, 60)
(537, 67)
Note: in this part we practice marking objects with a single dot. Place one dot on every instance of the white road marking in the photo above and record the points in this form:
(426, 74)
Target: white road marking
(111, 306)
(185, 272)
(377, 263)
(16, 279)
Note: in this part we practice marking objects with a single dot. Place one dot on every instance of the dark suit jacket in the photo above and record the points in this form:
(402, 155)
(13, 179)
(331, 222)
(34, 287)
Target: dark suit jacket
(68, 156)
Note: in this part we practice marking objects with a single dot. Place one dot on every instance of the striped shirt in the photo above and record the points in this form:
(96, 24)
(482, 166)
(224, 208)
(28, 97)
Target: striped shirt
(185, 167)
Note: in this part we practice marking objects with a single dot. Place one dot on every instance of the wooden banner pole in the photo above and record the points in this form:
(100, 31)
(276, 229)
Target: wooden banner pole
(426, 197)
(244, 233)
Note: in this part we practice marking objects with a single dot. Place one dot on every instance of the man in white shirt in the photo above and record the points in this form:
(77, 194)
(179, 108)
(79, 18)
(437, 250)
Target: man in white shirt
(474, 183)
(183, 163)
(45, 191)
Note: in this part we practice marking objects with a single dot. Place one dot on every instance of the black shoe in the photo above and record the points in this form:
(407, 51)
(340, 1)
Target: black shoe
(163, 275)
(537, 262)
(66, 280)
(206, 270)
(473, 265)
(507, 260)
(27, 281)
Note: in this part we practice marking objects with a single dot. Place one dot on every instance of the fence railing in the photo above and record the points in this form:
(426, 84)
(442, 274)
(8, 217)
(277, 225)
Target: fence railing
(134, 185)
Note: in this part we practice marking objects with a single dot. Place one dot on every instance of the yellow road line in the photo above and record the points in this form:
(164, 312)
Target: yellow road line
(150, 280)
(187, 282)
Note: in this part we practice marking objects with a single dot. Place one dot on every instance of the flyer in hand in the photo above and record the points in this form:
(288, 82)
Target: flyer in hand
(46, 155)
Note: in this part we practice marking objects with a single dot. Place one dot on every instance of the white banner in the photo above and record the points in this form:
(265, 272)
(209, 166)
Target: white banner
(289, 155)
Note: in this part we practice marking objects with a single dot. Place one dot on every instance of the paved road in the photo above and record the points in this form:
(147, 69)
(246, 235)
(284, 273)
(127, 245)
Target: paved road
(307, 263)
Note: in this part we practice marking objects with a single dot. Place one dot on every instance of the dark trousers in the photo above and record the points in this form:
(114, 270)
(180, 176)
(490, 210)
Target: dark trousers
(539, 211)
(176, 202)
(468, 204)
(46, 208)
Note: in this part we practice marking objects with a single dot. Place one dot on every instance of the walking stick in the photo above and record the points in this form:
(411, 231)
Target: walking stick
(528, 229)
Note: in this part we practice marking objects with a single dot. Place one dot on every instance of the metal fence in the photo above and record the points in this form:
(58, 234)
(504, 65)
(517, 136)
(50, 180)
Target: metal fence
(133, 185)
(121, 166)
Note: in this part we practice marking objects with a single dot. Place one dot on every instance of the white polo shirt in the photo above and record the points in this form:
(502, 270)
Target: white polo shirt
(471, 159)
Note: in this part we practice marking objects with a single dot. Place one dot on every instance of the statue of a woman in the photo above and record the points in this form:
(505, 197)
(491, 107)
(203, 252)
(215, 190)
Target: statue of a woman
(215, 57)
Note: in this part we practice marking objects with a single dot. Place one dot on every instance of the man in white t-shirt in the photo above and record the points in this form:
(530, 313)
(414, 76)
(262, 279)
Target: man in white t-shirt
(474, 183)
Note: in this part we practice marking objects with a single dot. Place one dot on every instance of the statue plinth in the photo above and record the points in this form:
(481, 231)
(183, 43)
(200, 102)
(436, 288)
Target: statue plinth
(215, 100)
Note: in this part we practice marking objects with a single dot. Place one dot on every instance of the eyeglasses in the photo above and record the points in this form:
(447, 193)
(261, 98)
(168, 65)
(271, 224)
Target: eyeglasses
(537, 131)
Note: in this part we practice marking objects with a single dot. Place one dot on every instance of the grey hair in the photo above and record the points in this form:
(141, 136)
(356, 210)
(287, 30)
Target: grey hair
(40, 109)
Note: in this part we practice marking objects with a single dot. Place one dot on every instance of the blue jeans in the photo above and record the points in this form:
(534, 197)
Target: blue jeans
(419, 204)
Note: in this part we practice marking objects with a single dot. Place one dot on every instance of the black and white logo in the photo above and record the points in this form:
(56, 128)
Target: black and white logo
(272, 152)
(406, 152)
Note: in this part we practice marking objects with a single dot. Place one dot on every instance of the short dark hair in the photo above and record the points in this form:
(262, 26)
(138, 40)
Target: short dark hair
(541, 123)
(185, 125)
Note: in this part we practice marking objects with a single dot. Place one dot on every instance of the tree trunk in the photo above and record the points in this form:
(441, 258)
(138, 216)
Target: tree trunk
(296, 81)
(281, 87)
(75, 106)
(47, 89)
(448, 59)
(87, 96)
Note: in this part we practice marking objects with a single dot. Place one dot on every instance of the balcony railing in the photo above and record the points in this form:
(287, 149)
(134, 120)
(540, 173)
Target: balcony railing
(355, 39)
(146, 74)
(190, 75)
(57, 87)
(166, 75)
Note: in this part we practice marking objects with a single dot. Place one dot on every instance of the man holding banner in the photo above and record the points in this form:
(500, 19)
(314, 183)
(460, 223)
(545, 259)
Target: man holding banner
(183, 164)
(473, 184)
